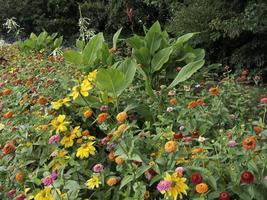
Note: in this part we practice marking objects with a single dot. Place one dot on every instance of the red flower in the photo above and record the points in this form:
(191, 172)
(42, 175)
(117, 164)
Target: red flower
(196, 178)
(177, 136)
(247, 177)
(224, 196)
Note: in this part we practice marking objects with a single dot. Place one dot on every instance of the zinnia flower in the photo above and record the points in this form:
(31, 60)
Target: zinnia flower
(249, 143)
(67, 140)
(93, 182)
(44, 194)
(85, 150)
(224, 196)
(213, 91)
(169, 109)
(163, 186)
(49, 180)
(202, 188)
(263, 100)
(170, 146)
(53, 139)
(98, 168)
(232, 143)
(247, 177)
(177, 188)
(59, 123)
(196, 178)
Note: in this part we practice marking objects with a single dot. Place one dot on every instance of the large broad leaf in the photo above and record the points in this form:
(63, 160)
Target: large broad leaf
(73, 57)
(184, 38)
(153, 37)
(91, 49)
(186, 72)
(160, 58)
(115, 38)
(142, 56)
(58, 42)
(126, 179)
(128, 67)
(111, 80)
(136, 42)
(80, 44)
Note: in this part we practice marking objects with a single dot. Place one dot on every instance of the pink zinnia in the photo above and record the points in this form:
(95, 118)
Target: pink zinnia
(163, 186)
(232, 143)
(264, 100)
(180, 169)
(11, 192)
(21, 197)
(98, 168)
(53, 139)
(49, 180)
(187, 139)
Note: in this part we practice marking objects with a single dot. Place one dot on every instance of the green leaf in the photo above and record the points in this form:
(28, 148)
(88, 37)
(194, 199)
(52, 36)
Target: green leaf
(136, 42)
(184, 38)
(115, 38)
(186, 72)
(142, 56)
(58, 42)
(160, 58)
(128, 67)
(141, 170)
(73, 57)
(111, 80)
(213, 183)
(91, 49)
(153, 38)
(127, 179)
(80, 44)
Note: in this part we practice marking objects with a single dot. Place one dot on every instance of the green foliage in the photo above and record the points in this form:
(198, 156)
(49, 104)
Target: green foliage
(43, 41)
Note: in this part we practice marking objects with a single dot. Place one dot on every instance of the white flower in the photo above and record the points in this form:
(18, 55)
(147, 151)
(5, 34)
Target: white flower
(201, 139)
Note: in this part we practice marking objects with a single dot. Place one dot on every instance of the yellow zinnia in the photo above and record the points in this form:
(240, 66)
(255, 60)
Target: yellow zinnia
(178, 186)
(58, 104)
(59, 123)
(92, 76)
(67, 140)
(76, 132)
(44, 194)
(93, 182)
(85, 150)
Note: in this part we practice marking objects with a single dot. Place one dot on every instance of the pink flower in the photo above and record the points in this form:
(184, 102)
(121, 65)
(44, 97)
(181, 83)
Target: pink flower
(98, 168)
(11, 192)
(264, 100)
(21, 197)
(163, 186)
(171, 93)
(180, 169)
(232, 143)
(53, 139)
(187, 139)
(104, 108)
(169, 109)
(49, 180)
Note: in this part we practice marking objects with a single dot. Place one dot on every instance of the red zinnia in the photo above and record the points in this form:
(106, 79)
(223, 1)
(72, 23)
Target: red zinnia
(224, 196)
(247, 177)
(196, 178)
(264, 100)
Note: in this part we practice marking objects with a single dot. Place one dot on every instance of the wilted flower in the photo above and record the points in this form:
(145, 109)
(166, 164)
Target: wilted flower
(98, 168)
(169, 109)
(53, 139)
(232, 143)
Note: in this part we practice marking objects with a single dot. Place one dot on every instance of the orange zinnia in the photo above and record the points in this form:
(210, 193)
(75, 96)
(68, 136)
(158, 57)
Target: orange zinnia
(192, 104)
(7, 92)
(102, 117)
(8, 148)
(42, 100)
(8, 115)
(19, 176)
(249, 143)
(213, 91)
(257, 129)
(202, 188)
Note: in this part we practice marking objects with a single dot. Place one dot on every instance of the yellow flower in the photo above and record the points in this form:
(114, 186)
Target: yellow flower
(85, 150)
(75, 92)
(59, 123)
(177, 188)
(83, 89)
(76, 132)
(92, 76)
(58, 104)
(2, 126)
(44, 194)
(93, 182)
(67, 140)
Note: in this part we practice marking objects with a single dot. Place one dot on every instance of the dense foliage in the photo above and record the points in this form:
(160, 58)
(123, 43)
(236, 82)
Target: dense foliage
(147, 123)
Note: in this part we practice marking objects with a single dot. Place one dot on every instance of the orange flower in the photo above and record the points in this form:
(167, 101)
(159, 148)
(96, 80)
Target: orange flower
(111, 156)
(249, 143)
(257, 129)
(119, 160)
(86, 133)
(88, 113)
(8, 148)
(8, 115)
(170, 146)
(173, 101)
(122, 127)
(202, 188)
(200, 102)
(7, 92)
(42, 100)
(111, 181)
(213, 91)
(19, 176)
(121, 117)
(197, 150)
(102, 117)
(192, 104)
